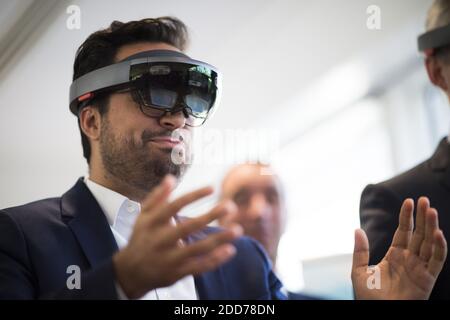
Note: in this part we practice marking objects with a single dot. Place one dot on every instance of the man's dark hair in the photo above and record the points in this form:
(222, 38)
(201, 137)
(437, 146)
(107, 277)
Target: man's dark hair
(100, 48)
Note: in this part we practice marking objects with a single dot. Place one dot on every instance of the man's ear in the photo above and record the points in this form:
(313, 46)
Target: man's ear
(435, 72)
(90, 122)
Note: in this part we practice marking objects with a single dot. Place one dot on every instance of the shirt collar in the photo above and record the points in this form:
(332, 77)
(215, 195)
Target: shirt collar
(110, 201)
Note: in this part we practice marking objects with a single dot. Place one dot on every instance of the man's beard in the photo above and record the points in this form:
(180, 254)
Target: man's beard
(135, 163)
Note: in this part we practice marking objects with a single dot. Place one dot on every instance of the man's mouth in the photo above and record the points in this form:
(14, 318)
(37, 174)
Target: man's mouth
(165, 142)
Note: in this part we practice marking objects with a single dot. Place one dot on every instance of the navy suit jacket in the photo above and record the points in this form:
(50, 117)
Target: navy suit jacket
(40, 240)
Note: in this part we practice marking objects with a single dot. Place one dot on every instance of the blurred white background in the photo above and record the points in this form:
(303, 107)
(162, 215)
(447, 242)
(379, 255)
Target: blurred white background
(351, 105)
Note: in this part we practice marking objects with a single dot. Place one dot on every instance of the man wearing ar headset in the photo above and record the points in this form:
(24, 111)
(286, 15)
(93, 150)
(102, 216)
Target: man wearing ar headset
(430, 178)
(136, 97)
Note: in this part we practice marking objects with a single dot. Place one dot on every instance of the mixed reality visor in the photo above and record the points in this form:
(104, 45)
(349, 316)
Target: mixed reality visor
(434, 39)
(159, 81)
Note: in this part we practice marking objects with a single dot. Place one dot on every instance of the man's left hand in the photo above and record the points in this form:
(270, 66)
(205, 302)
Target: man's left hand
(413, 262)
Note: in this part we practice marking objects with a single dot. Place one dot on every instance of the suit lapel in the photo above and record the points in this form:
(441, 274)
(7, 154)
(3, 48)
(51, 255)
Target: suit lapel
(88, 223)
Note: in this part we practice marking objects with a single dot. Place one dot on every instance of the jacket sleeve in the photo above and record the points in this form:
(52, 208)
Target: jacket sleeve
(18, 281)
(379, 213)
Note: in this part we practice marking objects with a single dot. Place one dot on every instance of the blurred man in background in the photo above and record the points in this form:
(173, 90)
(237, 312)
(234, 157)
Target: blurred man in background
(258, 193)
(431, 178)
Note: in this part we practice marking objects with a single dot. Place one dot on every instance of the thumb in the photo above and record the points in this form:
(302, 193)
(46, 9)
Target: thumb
(361, 250)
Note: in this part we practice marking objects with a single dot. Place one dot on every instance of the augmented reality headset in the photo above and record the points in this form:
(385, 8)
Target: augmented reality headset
(434, 39)
(160, 81)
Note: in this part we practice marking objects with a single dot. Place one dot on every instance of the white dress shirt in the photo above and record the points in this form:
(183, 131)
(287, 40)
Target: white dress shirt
(121, 214)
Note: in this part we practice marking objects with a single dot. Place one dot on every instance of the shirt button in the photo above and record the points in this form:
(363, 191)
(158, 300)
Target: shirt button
(131, 208)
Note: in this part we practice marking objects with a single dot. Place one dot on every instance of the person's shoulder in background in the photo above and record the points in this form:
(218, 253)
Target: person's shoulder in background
(422, 180)
(380, 204)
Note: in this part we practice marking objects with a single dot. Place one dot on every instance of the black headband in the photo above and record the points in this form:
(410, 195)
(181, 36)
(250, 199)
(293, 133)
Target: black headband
(434, 39)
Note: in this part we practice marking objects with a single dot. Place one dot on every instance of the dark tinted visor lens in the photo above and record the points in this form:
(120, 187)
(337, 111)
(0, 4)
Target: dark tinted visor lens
(161, 97)
(167, 85)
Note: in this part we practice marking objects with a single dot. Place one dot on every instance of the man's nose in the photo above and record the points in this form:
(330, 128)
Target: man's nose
(173, 121)
(258, 207)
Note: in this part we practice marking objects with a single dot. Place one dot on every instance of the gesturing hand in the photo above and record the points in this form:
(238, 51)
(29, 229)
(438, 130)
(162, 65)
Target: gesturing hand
(413, 262)
(155, 256)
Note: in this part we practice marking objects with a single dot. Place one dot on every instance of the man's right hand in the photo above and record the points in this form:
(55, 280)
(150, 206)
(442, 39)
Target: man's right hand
(155, 256)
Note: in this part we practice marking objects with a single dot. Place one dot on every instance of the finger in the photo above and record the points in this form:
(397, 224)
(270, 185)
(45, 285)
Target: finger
(419, 234)
(172, 208)
(439, 254)
(403, 234)
(185, 228)
(431, 225)
(209, 243)
(159, 194)
(209, 262)
(361, 250)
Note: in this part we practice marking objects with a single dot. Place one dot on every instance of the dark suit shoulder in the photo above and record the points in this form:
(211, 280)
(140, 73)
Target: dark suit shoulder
(38, 211)
(424, 177)
(40, 222)
(409, 181)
